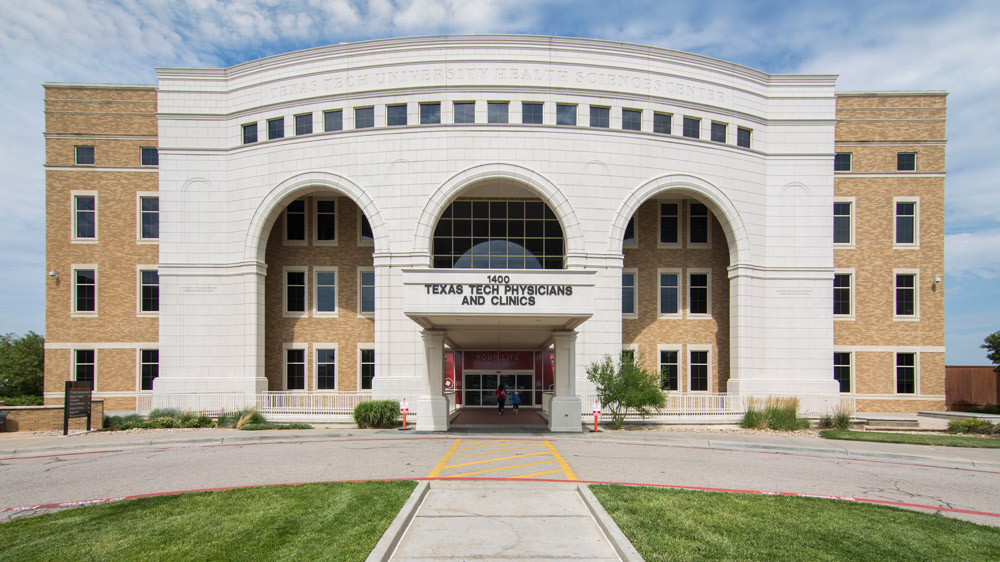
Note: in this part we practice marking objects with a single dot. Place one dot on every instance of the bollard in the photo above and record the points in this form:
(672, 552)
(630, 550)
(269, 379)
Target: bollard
(597, 413)
(404, 408)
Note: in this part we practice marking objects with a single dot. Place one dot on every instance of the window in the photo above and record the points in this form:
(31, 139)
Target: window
(843, 225)
(669, 369)
(304, 124)
(906, 161)
(631, 120)
(628, 239)
(496, 112)
(295, 292)
(364, 117)
(295, 369)
(85, 217)
(149, 367)
(842, 294)
(906, 294)
(662, 123)
(365, 235)
(669, 223)
(150, 157)
(149, 217)
(465, 112)
(906, 223)
(366, 292)
(565, 114)
(698, 233)
(85, 366)
(627, 354)
(670, 292)
(600, 117)
(718, 132)
(699, 297)
(498, 234)
(333, 120)
(742, 137)
(367, 368)
(85, 291)
(628, 293)
(531, 113)
(276, 128)
(295, 221)
(325, 290)
(842, 370)
(842, 162)
(326, 369)
(395, 115)
(85, 156)
(692, 127)
(249, 133)
(906, 373)
(430, 113)
(698, 371)
(326, 221)
(149, 291)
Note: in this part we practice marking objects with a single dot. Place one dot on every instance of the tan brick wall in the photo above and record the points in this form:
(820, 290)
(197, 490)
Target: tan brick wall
(648, 331)
(50, 418)
(348, 328)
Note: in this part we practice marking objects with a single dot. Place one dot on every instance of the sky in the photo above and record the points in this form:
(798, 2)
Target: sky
(950, 45)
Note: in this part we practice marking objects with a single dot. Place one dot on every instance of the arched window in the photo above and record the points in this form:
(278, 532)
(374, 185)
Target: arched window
(505, 234)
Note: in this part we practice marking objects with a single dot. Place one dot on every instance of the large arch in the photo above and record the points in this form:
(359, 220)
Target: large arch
(454, 186)
(270, 207)
(740, 249)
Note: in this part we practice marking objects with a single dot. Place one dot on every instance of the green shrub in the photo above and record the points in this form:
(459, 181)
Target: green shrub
(160, 423)
(378, 414)
(118, 423)
(754, 418)
(779, 413)
(826, 422)
(249, 416)
(973, 425)
(21, 400)
(204, 421)
(842, 419)
(225, 419)
(164, 413)
(260, 426)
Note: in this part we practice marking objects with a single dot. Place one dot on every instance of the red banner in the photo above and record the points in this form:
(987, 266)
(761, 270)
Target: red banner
(499, 360)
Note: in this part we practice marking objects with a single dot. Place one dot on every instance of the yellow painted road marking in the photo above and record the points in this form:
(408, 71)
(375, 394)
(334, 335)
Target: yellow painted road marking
(480, 444)
(485, 452)
(502, 468)
(562, 461)
(532, 475)
(495, 451)
(495, 460)
(440, 465)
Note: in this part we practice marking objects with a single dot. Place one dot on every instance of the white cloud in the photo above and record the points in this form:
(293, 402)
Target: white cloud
(973, 254)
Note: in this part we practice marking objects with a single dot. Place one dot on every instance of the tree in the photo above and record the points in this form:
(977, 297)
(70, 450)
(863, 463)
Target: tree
(992, 346)
(22, 361)
(623, 384)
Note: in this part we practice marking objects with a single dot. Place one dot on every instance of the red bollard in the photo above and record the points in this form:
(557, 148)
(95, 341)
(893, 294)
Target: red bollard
(404, 408)
(597, 413)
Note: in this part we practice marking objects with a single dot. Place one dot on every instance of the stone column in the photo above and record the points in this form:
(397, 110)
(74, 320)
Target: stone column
(566, 407)
(432, 406)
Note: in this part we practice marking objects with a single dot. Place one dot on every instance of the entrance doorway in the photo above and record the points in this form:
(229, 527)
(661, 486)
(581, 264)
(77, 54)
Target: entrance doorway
(479, 388)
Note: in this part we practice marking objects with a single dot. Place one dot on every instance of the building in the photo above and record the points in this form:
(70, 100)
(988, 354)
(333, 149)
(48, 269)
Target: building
(418, 217)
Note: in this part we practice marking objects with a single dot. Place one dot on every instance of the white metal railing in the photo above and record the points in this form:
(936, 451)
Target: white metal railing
(547, 403)
(723, 408)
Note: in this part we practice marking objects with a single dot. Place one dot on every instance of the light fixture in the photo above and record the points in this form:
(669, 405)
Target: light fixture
(937, 278)
(54, 274)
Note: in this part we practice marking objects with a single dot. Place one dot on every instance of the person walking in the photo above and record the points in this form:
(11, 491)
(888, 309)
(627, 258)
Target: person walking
(516, 401)
(501, 397)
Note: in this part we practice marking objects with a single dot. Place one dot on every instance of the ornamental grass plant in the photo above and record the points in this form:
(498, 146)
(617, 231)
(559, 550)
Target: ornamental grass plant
(376, 414)
(776, 412)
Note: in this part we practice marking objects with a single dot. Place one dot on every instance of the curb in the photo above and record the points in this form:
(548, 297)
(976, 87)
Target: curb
(390, 539)
(615, 536)
(846, 453)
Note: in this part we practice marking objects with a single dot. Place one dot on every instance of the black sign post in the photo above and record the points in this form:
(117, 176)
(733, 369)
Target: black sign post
(77, 403)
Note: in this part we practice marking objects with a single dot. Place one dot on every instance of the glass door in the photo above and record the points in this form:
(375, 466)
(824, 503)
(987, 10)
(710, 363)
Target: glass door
(480, 388)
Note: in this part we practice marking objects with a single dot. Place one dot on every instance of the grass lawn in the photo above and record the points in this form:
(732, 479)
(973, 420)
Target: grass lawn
(339, 521)
(666, 524)
(913, 439)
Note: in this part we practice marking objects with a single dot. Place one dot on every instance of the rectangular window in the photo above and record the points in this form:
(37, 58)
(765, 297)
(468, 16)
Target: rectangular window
(718, 132)
(842, 294)
(600, 117)
(365, 235)
(326, 220)
(669, 369)
(906, 373)
(662, 123)
(326, 369)
(249, 133)
(276, 128)
(85, 366)
(85, 290)
(906, 294)
(742, 137)
(531, 113)
(325, 290)
(150, 156)
(698, 233)
(333, 120)
(906, 223)
(566, 114)
(842, 223)
(692, 128)
(295, 292)
(842, 162)
(364, 117)
(465, 112)
(149, 368)
(85, 156)
(628, 293)
(430, 113)
(366, 292)
(295, 221)
(367, 369)
(699, 371)
(295, 369)
(85, 217)
(906, 161)
(670, 292)
(628, 239)
(304, 124)
(669, 223)
(842, 370)
(149, 290)
(395, 115)
(496, 112)
(698, 293)
(149, 218)
(631, 120)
